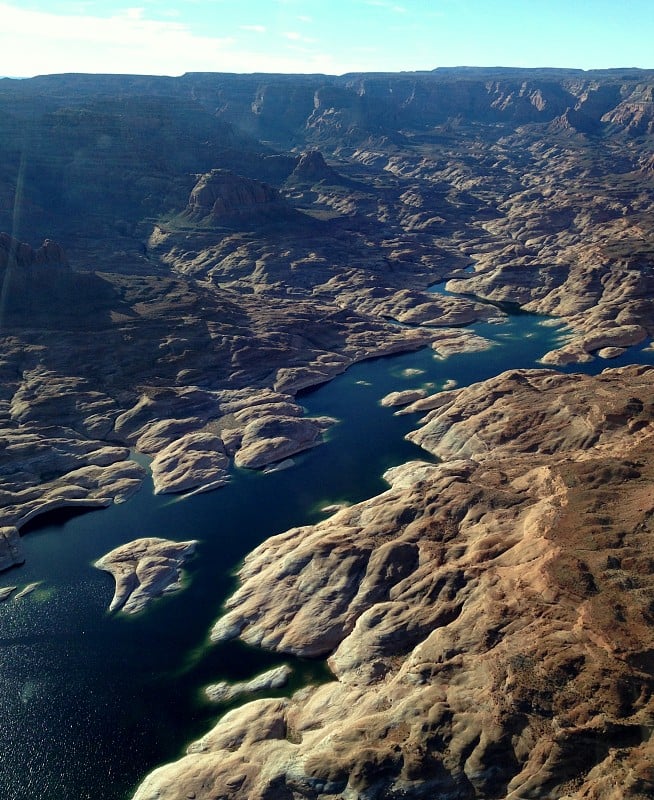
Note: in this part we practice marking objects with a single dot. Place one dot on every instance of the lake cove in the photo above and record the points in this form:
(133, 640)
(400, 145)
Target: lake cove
(90, 701)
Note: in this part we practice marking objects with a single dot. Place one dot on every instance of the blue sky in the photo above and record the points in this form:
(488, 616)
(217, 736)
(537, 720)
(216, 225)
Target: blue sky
(170, 37)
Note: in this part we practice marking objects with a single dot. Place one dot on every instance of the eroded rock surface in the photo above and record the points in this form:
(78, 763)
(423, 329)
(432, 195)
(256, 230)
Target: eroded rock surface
(225, 692)
(221, 197)
(196, 252)
(487, 619)
(11, 552)
(403, 398)
(145, 569)
(195, 460)
(272, 438)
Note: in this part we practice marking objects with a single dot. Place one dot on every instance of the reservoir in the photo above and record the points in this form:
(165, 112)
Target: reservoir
(91, 702)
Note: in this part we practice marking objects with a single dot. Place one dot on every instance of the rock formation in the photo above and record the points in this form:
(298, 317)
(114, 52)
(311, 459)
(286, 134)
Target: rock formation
(487, 619)
(10, 548)
(20, 254)
(197, 459)
(403, 398)
(6, 592)
(221, 198)
(145, 569)
(225, 692)
(272, 438)
(311, 168)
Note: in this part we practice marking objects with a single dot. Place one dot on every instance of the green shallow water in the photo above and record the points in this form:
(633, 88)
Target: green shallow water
(91, 702)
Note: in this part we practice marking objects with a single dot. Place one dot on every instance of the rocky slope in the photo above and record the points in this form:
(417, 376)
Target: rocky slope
(487, 620)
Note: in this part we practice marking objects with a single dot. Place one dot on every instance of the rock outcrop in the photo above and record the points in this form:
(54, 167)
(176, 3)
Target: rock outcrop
(221, 198)
(487, 619)
(11, 552)
(225, 692)
(311, 168)
(272, 438)
(14, 253)
(145, 569)
(195, 460)
(403, 398)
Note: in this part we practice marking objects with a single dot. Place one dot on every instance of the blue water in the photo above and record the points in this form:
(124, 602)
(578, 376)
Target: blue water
(91, 702)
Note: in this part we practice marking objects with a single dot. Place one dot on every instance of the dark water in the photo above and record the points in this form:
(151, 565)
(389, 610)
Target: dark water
(89, 702)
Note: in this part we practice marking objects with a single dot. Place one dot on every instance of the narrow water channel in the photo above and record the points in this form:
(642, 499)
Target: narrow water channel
(91, 702)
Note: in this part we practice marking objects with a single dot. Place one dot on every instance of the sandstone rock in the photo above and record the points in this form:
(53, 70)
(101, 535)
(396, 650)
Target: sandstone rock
(22, 255)
(311, 168)
(611, 352)
(225, 692)
(273, 438)
(144, 569)
(26, 590)
(195, 460)
(11, 552)
(5, 592)
(428, 403)
(61, 400)
(281, 409)
(452, 342)
(403, 398)
(471, 423)
(221, 197)
(160, 433)
(294, 379)
(477, 615)
(44, 469)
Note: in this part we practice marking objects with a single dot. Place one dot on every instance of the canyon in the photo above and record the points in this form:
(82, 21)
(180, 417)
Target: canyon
(216, 245)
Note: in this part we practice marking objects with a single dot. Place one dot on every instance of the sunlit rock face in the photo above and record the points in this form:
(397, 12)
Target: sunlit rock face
(487, 619)
(145, 569)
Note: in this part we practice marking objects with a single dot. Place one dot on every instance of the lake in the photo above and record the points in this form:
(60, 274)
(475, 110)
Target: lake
(91, 702)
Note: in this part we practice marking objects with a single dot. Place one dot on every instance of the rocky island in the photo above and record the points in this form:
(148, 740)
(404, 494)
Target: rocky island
(488, 619)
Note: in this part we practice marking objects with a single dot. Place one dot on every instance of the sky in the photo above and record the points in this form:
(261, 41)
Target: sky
(171, 37)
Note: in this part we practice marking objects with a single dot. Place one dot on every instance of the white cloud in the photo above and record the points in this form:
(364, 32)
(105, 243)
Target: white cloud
(254, 28)
(36, 43)
(293, 36)
(134, 13)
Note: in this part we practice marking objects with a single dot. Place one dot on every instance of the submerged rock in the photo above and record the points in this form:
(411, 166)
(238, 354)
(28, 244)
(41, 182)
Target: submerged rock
(144, 569)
